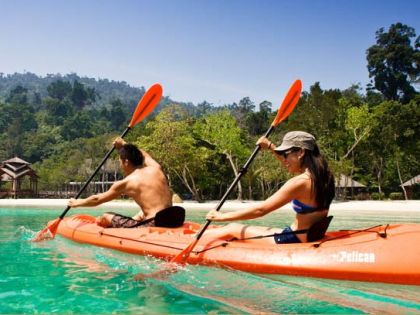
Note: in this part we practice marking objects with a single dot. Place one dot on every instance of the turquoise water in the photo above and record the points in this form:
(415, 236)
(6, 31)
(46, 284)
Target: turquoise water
(62, 277)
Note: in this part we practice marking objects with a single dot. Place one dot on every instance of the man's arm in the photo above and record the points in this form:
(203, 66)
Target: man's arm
(95, 200)
(148, 160)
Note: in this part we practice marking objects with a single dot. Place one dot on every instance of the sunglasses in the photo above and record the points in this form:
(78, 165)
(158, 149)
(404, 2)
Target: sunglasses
(285, 154)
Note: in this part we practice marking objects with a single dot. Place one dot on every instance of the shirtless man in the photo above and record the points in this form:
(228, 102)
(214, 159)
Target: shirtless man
(144, 182)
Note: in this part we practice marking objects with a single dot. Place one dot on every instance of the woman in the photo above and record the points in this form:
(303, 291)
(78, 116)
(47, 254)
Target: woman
(311, 192)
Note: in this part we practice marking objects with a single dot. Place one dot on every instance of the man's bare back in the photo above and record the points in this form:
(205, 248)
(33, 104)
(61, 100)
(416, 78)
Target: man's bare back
(148, 187)
(144, 182)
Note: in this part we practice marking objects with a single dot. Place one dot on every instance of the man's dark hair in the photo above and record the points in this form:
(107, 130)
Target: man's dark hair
(130, 152)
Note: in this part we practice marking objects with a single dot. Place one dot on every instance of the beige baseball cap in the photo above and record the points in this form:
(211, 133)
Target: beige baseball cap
(297, 139)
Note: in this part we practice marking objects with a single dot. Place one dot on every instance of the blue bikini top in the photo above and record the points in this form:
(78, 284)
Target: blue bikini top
(301, 208)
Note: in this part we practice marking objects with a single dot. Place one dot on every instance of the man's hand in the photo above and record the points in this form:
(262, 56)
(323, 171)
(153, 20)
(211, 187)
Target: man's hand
(139, 216)
(102, 221)
(119, 142)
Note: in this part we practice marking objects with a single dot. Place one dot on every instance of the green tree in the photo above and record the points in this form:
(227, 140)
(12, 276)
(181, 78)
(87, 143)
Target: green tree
(221, 130)
(204, 108)
(170, 141)
(316, 111)
(258, 122)
(359, 123)
(19, 95)
(40, 144)
(394, 144)
(117, 115)
(57, 110)
(269, 174)
(77, 126)
(17, 119)
(71, 161)
(242, 111)
(59, 89)
(394, 63)
(82, 96)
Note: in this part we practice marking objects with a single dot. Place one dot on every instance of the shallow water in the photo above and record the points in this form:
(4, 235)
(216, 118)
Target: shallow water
(63, 277)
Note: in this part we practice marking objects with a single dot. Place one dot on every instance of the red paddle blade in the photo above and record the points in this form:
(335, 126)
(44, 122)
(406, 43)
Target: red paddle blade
(146, 104)
(182, 257)
(48, 232)
(289, 102)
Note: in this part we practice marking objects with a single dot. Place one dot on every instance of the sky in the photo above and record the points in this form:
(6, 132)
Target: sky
(218, 51)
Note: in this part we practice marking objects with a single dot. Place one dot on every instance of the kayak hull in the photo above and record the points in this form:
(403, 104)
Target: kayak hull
(387, 253)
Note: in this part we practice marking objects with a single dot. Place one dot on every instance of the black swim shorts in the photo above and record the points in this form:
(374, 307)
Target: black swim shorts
(122, 221)
(286, 237)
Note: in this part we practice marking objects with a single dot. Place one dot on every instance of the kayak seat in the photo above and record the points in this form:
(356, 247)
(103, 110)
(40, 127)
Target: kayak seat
(317, 231)
(171, 217)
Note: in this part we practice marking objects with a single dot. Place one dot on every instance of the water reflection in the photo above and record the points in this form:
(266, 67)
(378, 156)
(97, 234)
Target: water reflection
(60, 276)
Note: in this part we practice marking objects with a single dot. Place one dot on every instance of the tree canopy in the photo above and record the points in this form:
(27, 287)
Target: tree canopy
(394, 62)
(64, 125)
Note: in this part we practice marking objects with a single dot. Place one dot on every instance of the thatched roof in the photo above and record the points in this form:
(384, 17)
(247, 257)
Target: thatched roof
(413, 181)
(345, 181)
(15, 168)
(16, 160)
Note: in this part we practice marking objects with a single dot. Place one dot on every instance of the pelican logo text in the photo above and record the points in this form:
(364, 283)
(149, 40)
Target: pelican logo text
(356, 257)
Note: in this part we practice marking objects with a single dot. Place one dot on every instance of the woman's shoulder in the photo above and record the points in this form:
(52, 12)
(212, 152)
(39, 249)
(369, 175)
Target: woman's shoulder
(301, 179)
(299, 184)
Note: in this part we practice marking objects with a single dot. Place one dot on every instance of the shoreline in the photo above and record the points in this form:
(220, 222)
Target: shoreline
(365, 205)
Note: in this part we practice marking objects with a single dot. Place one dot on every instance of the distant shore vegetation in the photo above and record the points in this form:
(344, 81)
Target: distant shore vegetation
(64, 125)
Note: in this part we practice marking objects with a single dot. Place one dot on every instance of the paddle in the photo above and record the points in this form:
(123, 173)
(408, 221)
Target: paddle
(286, 107)
(144, 107)
(283, 112)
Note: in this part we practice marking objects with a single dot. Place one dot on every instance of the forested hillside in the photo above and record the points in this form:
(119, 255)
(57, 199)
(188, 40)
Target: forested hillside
(37, 86)
(64, 124)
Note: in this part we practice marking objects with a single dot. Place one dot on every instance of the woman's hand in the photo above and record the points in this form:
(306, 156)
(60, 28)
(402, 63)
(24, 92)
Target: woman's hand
(72, 203)
(265, 144)
(214, 215)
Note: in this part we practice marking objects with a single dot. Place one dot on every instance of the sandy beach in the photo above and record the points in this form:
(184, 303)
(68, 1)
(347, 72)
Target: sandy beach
(368, 205)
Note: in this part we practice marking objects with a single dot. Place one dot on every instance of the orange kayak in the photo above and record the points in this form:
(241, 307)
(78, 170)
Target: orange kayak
(386, 253)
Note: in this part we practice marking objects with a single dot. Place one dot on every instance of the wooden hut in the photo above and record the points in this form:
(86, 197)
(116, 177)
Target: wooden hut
(412, 187)
(345, 184)
(15, 171)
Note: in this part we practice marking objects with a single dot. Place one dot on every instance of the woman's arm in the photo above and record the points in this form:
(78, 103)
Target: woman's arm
(284, 195)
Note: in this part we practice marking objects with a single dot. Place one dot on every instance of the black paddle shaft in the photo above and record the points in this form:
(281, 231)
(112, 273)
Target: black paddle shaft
(94, 173)
(243, 170)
